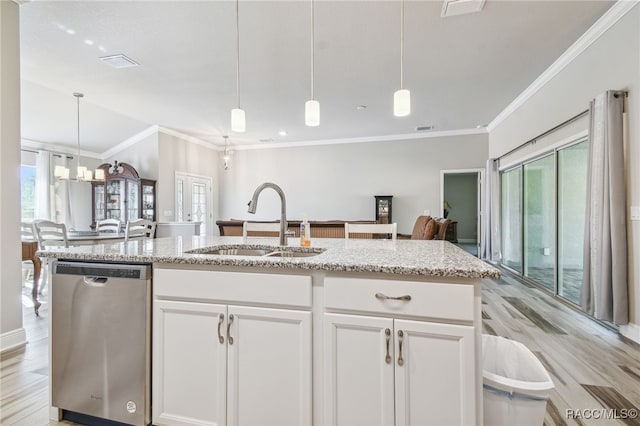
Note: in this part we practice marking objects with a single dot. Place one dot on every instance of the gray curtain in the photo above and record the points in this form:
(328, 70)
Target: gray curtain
(490, 243)
(604, 284)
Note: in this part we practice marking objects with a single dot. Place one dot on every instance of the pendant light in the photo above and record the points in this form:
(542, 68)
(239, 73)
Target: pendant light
(225, 157)
(312, 107)
(238, 122)
(402, 97)
(82, 173)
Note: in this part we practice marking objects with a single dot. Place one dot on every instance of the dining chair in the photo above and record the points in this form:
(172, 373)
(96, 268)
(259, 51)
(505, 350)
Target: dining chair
(419, 227)
(269, 229)
(441, 233)
(371, 228)
(108, 225)
(140, 229)
(50, 234)
(27, 235)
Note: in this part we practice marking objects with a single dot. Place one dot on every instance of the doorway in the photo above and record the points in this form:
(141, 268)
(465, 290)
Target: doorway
(461, 202)
(193, 200)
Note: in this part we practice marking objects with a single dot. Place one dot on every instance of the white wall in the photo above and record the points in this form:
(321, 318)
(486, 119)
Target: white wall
(180, 155)
(11, 331)
(340, 181)
(143, 156)
(611, 62)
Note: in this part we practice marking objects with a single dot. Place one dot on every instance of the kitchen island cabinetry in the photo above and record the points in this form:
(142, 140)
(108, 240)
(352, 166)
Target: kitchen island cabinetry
(220, 364)
(413, 363)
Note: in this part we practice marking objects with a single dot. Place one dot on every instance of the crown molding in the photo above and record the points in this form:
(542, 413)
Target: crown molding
(387, 138)
(189, 138)
(129, 142)
(57, 149)
(606, 21)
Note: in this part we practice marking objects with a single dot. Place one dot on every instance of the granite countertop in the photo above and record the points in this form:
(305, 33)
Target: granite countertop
(401, 257)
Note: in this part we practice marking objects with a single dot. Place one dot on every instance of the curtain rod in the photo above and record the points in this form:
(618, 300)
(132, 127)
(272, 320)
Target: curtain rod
(55, 154)
(553, 129)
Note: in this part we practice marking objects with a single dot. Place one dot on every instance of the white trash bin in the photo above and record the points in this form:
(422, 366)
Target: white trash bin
(516, 385)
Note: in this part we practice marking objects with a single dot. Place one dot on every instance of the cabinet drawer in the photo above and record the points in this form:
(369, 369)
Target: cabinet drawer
(428, 300)
(233, 287)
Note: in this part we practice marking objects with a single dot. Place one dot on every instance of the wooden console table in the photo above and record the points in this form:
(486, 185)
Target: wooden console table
(29, 249)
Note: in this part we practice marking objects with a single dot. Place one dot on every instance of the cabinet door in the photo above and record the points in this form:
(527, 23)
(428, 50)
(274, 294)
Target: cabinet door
(358, 387)
(269, 371)
(189, 364)
(435, 381)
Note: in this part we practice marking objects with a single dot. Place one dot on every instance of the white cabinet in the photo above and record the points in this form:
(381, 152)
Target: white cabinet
(383, 369)
(219, 364)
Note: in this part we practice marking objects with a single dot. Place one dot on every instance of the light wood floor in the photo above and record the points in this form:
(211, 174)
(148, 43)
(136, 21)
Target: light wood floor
(592, 367)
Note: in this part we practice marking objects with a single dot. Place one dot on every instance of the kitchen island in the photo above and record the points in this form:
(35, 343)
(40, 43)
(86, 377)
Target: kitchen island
(343, 332)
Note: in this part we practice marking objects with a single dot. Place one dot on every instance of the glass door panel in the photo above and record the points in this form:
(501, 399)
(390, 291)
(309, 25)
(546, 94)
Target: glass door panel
(199, 205)
(511, 218)
(572, 196)
(98, 196)
(539, 221)
(115, 199)
(133, 202)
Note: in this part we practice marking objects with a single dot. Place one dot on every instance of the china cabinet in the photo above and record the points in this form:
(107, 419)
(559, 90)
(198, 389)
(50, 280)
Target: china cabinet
(122, 195)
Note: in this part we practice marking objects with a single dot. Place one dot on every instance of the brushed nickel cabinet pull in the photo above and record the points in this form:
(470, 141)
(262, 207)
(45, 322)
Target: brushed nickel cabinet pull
(400, 338)
(220, 321)
(381, 296)
(229, 338)
(387, 333)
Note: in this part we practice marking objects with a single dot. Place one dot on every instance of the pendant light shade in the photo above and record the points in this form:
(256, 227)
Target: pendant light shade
(401, 103)
(312, 107)
(238, 123)
(402, 97)
(312, 113)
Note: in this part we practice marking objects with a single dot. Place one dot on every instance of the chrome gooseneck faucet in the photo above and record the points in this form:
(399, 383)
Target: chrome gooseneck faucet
(283, 203)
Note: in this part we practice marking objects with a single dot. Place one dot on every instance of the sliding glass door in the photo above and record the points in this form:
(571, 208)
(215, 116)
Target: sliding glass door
(572, 196)
(539, 221)
(542, 211)
(511, 218)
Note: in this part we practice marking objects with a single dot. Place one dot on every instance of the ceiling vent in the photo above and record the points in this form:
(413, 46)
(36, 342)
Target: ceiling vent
(461, 7)
(424, 128)
(119, 61)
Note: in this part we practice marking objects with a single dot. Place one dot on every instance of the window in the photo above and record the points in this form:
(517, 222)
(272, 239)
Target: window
(28, 192)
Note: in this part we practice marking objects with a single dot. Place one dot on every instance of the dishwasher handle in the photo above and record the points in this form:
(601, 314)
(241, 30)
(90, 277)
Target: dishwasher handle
(95, 281)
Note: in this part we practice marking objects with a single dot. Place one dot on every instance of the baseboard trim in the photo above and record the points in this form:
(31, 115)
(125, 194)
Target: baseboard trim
(631, 331)
(467, 240)
(13, 339)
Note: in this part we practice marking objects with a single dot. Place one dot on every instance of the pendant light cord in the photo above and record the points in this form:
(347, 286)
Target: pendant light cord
(402, 44)
(238, 51)
(313, 50)
(78, 96)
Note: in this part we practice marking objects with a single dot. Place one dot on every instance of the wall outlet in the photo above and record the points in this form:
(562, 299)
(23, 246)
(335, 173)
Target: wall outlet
(168, 213)
(546, 251)
(426, 212)
(635, 213)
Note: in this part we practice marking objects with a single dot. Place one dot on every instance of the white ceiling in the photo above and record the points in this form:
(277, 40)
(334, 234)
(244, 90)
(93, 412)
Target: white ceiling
(462, 71)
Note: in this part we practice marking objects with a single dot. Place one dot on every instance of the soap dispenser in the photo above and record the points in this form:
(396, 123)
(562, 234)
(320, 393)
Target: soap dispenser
(305, 233)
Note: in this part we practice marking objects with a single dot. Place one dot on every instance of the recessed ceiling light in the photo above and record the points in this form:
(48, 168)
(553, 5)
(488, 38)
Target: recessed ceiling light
(282, 133)
(423, 128)
(89, 42)
(119, 61)
(361, 107)
(102, 48)
(70, 31)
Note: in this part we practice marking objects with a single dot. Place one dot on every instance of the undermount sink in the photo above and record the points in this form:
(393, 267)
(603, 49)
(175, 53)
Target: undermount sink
(248, 251)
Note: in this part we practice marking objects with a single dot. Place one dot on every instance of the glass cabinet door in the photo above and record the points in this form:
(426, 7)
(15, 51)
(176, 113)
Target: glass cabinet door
(98, 197)
(133, 192)
(115, 199)
(148, 202)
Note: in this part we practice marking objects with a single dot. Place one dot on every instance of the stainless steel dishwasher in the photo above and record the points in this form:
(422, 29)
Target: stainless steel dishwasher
(101, 341)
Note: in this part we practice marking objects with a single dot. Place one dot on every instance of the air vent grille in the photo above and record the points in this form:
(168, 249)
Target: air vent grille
(423, 128)
(119, 61)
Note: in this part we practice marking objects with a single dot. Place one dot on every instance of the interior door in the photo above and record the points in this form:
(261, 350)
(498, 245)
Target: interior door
(193, 200)
(435, 380)
(359, 370)
(269, 369)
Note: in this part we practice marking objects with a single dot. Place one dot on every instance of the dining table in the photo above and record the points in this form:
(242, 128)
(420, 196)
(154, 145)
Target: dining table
(30, 248)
